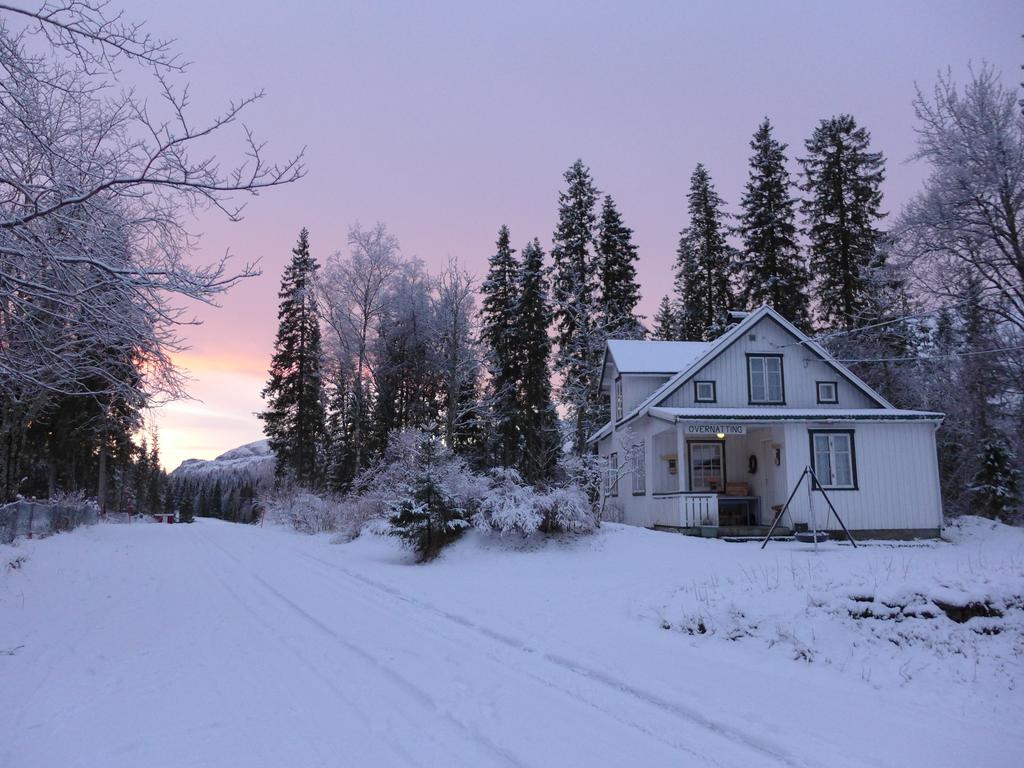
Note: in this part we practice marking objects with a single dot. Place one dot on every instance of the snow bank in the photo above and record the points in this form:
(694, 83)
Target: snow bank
(887, 613)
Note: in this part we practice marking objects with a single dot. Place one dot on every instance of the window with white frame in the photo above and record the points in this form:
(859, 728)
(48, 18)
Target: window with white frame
(764, 379)
(640, 470)
(612, 486)
(618, 398)
(833, 459)
(828, 392)
(704, 392)
(707, 466)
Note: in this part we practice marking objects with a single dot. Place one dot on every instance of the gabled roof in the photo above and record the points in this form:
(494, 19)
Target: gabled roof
(663, 358)
(714, 348)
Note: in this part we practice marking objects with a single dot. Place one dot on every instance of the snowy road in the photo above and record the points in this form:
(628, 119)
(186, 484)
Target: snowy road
(216, 645)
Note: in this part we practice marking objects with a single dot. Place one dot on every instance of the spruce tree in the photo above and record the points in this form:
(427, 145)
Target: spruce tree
(995, 490)
(294, 418)
(538, 421)
(704, 264)
(185, 509)
(666, 324)
(500, 332)
(217, 501)
(620, 293)
(771, 269)
(574, 285)
(842, 180)
(428, 518)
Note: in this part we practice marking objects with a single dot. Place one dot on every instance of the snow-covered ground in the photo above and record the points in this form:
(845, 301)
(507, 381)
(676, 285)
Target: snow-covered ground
(226, 645)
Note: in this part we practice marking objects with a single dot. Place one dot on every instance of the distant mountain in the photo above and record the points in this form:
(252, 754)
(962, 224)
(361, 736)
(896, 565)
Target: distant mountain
(253, 461)
(228, 486)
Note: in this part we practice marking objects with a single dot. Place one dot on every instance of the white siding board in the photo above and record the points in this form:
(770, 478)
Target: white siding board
(801, 369)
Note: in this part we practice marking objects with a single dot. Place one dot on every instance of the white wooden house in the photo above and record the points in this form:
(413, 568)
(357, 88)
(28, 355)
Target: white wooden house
(715, 436)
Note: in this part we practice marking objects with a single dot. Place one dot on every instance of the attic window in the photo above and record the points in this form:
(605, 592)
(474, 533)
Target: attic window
(704, 392)
(764, 380)
(828, 393)
(618, 398)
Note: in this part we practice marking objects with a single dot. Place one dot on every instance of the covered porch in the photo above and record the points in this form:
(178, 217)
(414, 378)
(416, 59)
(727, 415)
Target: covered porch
(718, 477)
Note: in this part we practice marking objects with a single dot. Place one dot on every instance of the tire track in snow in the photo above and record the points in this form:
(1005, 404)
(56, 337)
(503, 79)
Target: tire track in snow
(606, 680)
(429, 626)
(419, 695)
(316, 673)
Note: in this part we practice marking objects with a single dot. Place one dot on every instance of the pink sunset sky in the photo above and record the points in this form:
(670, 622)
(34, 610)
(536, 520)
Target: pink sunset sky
(447, 119)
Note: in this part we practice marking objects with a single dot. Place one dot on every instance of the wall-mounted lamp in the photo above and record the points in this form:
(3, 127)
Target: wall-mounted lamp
(720, 435)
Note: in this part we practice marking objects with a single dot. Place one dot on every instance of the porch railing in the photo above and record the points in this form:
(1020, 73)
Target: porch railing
(688, 510)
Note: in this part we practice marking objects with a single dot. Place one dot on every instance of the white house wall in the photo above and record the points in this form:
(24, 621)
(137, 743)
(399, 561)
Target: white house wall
(636, 388)
(897, 474)
(801, 368)
(638, 510)
(897, 477)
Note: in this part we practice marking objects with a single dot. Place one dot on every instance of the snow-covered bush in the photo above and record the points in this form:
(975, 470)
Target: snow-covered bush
(508, 505)
(586, 473)
(393, 477)
(567, 509)
(423, 492)
(304, 511)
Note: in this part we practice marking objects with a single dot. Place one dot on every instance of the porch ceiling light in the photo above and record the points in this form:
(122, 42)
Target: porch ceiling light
(720, 435)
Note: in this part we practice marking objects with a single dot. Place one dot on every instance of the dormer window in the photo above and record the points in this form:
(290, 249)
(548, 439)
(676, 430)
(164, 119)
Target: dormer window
(764, 380)
(704, 392)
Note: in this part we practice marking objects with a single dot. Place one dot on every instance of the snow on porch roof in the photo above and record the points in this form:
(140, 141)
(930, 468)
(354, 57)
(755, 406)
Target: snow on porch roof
(655, 356)
(795, 414)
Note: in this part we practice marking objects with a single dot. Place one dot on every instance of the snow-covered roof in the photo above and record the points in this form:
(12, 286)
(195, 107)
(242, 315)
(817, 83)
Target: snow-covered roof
(709, 350)
(795, 414)
(654, 356)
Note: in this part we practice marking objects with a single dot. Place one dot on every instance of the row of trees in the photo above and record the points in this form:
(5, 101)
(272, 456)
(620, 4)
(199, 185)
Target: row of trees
(370, 344)
(836, 261)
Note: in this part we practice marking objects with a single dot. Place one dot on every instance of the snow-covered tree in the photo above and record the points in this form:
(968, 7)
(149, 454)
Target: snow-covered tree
(405, 370)
(429, 515)
(97, 183)
(578, 334)
(971, 211)
(354, 291)
(771, 268)
(616, 262)
(500, 331)
(458, 359)
(842, 182)
(294, 418)
(704, 264)
(666, 323)
(537, 420)
(995, 492)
